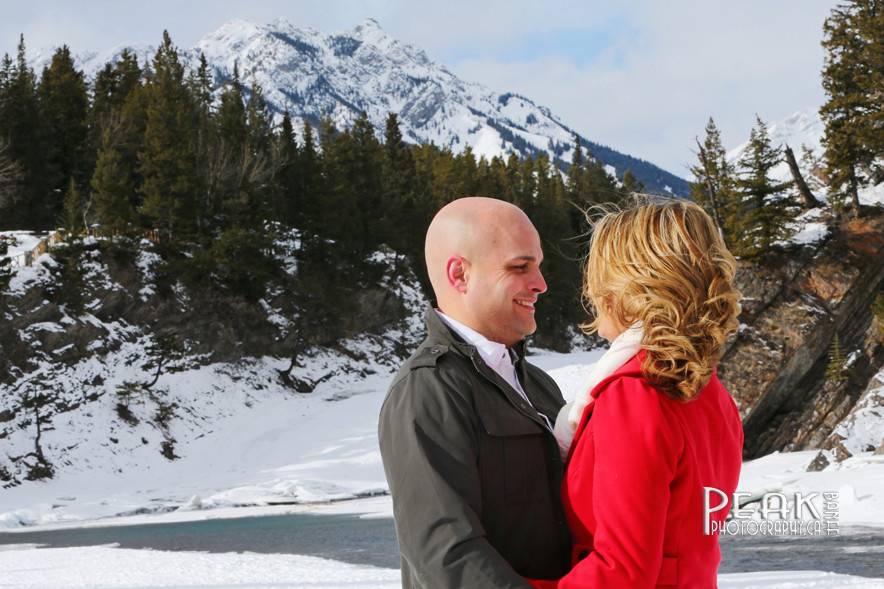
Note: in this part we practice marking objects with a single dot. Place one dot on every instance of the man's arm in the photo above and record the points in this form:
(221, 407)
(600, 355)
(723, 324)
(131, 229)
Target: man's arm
(429, 445)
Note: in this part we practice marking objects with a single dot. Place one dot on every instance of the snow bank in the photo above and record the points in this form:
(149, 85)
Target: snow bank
(26, 567)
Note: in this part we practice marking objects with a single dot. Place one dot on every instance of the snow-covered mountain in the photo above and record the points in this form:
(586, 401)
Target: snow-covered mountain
(314, 74)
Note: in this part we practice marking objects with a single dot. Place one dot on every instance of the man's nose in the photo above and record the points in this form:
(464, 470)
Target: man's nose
(538, 284)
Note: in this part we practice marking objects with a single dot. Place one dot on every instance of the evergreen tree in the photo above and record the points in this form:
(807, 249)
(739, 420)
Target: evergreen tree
(223, 176)
(559, 307)
(73, 210)
(201, 85)
(401, 193)
(64, 108)
(168, 158)
(576, 171)
(341, 217)
(5, 266)
(765, 210)
(242, 261)
(258, 166)
(813, 169)
(853, 78)
(288, 202)
(113, 185)
(308, 185)
(21, 125)
(243, 250)
(589, 184)
(10, 180)
(714, 187)
(117, 105)
(631, 184)
(837, 370)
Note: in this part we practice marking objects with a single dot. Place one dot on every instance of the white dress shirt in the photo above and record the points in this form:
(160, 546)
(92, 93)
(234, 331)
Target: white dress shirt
(494, 354)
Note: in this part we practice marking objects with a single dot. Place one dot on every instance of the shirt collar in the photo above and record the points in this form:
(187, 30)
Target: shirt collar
(491, 352)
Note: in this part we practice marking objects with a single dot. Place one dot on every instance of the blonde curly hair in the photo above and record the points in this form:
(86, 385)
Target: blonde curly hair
(665, 264)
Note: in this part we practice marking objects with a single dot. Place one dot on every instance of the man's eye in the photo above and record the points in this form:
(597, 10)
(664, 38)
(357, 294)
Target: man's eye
(521, 268)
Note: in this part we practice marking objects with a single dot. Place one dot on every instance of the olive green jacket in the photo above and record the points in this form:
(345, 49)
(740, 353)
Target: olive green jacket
(473, 470)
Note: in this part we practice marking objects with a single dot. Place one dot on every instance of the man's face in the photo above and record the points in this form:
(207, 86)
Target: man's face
(504, 282)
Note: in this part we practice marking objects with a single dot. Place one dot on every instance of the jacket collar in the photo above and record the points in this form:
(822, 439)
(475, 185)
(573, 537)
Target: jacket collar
(439, 333)
(632, 368)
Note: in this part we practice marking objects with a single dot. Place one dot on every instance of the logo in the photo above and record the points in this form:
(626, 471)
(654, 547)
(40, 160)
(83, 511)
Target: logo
(770, 514)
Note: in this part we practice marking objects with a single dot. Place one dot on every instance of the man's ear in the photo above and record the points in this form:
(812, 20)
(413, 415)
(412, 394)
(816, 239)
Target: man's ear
(457, 272)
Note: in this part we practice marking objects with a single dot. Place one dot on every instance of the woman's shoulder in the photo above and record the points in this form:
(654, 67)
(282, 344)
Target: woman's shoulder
(631, 395)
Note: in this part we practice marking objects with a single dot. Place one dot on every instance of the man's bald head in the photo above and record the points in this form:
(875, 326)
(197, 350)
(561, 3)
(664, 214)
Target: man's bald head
(472, 245)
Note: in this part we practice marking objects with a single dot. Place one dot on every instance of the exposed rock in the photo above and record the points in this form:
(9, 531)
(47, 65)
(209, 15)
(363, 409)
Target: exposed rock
(775, 368)
(820, 462)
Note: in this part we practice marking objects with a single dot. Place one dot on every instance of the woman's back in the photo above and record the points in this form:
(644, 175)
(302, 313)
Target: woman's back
(634, 488)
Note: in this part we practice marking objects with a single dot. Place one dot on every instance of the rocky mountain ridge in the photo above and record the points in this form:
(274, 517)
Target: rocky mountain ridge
(314, 75)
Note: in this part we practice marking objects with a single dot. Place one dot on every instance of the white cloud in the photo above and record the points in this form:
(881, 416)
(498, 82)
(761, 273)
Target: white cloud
(650, 95)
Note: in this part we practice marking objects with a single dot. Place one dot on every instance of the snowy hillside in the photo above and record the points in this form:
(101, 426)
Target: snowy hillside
(314, 75)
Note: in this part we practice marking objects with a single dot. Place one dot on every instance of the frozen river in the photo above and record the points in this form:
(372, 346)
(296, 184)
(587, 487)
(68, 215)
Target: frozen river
(361, 541)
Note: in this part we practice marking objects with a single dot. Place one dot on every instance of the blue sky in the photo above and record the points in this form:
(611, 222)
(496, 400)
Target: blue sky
(641, 76)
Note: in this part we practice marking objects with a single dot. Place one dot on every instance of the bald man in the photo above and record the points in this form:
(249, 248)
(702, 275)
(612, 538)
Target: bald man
(472, 464)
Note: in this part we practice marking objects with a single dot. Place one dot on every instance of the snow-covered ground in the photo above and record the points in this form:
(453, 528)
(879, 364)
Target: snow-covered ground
(312, 449)
(311, 452)
(117, 568)
(20, 243)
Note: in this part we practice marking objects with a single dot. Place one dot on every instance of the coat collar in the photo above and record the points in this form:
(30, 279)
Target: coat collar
(632, 368)
(439, 333)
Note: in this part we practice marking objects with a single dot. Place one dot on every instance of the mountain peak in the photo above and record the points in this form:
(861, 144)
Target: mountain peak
(370, 31)
(316, 75)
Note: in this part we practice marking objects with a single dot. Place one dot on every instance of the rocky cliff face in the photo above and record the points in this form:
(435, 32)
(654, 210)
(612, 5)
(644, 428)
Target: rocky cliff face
(794, 306)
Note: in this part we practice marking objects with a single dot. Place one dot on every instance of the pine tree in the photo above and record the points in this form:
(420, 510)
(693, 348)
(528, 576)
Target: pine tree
(73, 210)
(118, 107)
(401, 195)
(21, 125)
(10, 180)
(813, 168)
(765, 210)
(201, 85)
(714, 185)
(576, 171)
(171, 183)
(559, 307)
(631, 185)
(64, 108)
(837, 370)
(871, 131)
(5, 267)
(309, 185)
(242, 251)
(853, 78)
(288, 202)
(113, 186)
(259, 167)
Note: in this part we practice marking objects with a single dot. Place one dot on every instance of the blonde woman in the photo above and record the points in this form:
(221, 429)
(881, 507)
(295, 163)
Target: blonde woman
(655, 425)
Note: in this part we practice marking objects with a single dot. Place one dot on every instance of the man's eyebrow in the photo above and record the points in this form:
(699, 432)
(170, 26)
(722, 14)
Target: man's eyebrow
(523, 258)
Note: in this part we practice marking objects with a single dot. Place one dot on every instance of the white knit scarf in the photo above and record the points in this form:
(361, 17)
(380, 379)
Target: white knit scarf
(623, 348)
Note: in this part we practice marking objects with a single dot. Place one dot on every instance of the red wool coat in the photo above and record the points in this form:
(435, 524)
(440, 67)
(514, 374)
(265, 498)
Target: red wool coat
(634, 484)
